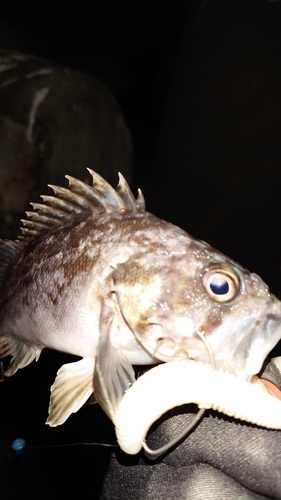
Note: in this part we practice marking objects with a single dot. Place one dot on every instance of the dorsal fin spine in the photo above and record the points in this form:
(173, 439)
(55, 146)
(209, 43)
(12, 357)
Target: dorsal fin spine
(140, 201)
(92, 196)
(40, 218)
(100, 201)
(68, 196)
(125, 193)
(33, 224)
(50, 211)
(60, 204)
(113, 200)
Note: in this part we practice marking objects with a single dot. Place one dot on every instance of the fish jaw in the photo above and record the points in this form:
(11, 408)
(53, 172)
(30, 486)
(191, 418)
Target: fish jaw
(264, 334)
(239, 345)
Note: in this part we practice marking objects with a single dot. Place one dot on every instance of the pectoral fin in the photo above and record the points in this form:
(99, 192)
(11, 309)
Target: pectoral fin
(72, 388)
(114, 373)
(22, 354)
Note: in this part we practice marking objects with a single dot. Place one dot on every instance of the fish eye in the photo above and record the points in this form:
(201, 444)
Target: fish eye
(221, 284)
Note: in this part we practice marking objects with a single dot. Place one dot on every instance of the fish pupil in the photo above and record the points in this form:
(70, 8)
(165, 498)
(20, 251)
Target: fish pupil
(219, 286)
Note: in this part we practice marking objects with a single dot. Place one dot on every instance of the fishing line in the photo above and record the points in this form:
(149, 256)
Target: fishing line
(19, 444)
(195, 420)
(105, 445)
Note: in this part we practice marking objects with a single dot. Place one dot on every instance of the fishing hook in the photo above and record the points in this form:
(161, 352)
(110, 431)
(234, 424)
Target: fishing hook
(195, 420)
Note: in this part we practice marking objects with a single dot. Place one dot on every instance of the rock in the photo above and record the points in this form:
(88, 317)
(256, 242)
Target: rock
(53, 121)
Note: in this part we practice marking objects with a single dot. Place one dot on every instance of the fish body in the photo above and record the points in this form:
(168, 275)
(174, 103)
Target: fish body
(95, 275)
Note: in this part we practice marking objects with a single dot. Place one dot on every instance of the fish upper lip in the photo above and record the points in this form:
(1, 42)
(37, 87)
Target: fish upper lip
(271, 323)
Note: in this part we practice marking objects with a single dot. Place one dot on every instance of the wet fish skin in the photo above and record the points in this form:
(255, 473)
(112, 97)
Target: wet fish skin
(53, 295)
(97, 276)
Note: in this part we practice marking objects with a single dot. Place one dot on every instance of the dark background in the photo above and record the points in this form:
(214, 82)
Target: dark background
(199, 85)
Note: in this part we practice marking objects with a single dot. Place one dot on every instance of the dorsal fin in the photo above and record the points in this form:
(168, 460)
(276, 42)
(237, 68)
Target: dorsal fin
(77, 199)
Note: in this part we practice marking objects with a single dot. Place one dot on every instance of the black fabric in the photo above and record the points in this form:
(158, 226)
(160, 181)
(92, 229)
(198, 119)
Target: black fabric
(222, 458)
(270, 372)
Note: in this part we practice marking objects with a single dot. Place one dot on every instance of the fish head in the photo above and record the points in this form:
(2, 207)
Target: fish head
(170, 301)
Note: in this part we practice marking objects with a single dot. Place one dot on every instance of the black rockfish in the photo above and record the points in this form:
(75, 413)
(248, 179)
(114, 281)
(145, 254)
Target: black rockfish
(95, 275)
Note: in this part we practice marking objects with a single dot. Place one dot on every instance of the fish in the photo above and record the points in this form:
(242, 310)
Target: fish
(95, 275)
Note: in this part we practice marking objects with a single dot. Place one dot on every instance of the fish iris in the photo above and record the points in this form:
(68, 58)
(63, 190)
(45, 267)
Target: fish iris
(219, 286)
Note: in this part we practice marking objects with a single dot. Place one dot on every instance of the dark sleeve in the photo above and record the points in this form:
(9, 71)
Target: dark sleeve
(221, 458)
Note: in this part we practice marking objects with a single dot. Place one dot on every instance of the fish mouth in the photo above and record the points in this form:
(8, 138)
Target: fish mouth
(175, 383)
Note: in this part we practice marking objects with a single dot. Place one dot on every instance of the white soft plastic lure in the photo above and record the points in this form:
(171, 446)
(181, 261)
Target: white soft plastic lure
(180, 382)
(95, 275)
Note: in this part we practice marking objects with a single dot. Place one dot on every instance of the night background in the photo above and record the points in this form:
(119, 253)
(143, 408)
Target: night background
(198, 86)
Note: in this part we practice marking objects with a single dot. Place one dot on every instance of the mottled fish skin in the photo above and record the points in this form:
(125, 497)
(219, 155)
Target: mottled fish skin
(97, 276)
(53, 296)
